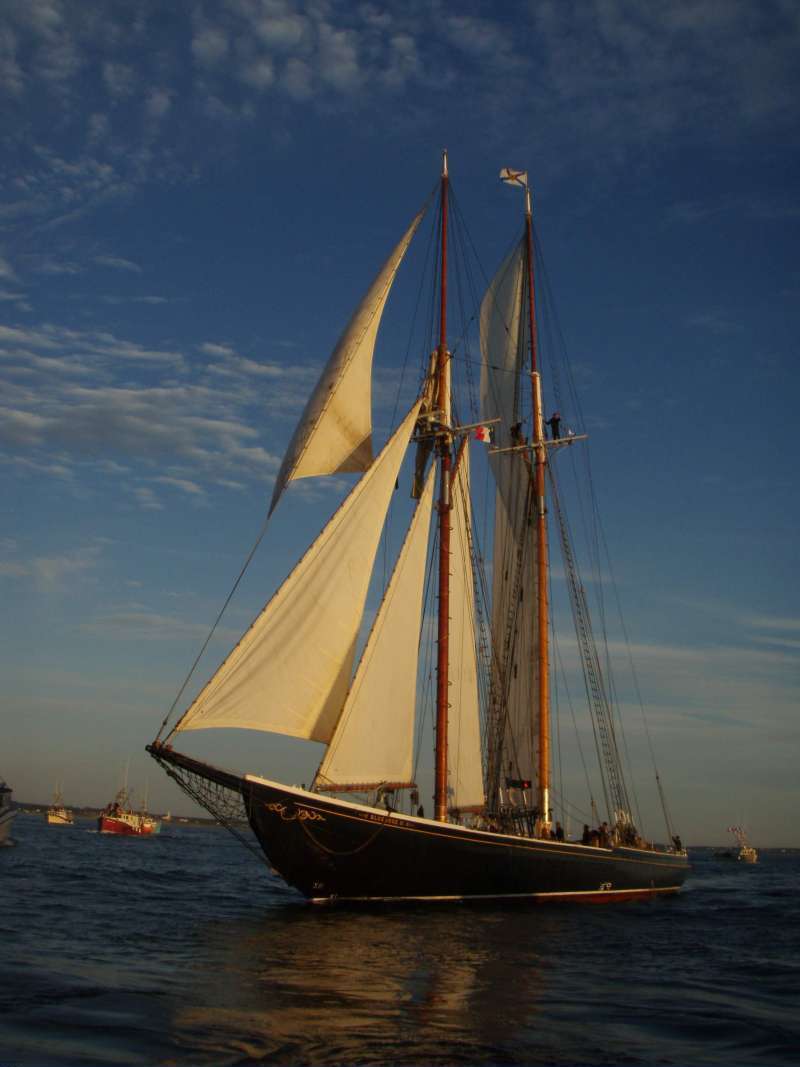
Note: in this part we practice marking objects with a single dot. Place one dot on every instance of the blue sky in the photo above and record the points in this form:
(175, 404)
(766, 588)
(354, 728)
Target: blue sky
(192, 199)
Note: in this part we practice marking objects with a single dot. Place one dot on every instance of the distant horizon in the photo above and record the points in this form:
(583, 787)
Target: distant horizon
(24, 805)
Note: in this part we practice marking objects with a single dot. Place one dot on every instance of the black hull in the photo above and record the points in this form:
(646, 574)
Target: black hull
(332, 850)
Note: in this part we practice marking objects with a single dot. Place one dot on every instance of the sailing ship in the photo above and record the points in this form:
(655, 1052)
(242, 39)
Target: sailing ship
(57, 814)
(7, 812)
(119, 817)
(358, 832)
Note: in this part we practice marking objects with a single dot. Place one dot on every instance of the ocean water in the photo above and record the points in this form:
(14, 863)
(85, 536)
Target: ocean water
(184, 949)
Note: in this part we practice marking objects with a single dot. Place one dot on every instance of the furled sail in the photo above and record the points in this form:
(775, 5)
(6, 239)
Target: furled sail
(290, 672)
(465, 787)
(502, 326)
(374, 738)
(334, 434)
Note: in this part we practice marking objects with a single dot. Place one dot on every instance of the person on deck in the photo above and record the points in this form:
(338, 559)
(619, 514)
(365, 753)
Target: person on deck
(559, 832)
(554, 422)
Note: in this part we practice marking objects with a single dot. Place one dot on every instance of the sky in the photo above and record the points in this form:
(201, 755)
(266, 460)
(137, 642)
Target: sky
(194, 196)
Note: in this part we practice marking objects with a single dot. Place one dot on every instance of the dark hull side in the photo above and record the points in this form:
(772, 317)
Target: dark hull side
(335, 850)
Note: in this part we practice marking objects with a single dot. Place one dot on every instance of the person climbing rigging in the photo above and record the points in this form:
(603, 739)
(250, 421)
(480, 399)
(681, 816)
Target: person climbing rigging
(554, 422)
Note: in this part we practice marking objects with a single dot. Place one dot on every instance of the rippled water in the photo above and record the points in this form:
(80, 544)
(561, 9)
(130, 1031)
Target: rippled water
(183, 949)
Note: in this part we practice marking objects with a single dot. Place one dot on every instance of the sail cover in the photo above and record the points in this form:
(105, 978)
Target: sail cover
(502, 328)
(334, 434)
(374, 738)
(290, 672)
(464, 763)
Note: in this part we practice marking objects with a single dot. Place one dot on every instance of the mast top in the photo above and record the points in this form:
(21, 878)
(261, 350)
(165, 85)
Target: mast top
(520, 178)
(444, 163)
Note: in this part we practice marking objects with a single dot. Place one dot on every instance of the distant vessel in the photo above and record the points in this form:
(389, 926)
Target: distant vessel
(746, 853)
(57, 814)
(120, 818)
(7, 812)
(493, 833)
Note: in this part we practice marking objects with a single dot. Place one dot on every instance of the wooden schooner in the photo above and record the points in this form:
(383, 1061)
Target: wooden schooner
(358, 833)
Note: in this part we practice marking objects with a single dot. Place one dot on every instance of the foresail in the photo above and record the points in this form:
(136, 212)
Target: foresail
(374, 738)
(334, 434)
(290, 672)
(464, 762)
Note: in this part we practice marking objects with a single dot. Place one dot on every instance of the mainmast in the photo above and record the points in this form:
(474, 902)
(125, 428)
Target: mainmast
(445, 463)
(540, 457)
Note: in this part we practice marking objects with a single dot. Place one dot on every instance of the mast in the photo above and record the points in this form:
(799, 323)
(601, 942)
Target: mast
(540, 453)
(445, 463)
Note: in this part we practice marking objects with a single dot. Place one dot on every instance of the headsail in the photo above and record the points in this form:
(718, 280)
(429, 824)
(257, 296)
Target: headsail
(374, 738)
(464, 762)
(290, 672)
(334, 434)
(513, 615)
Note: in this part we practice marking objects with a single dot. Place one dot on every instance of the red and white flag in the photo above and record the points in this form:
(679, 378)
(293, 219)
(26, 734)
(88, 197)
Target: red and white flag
(484, 433)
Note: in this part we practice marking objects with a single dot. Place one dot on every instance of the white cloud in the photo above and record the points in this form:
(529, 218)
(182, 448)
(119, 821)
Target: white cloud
(158, 103)
(188, 487)
(259, 73)
(118, 263)
(147, 499)
(8, 297)
(12, 80)
(212, 349)
(137, 623)
(6, 270)
(52, 573)
(209, 46)
(120, 78)
(338, 62)
(281, 30)
(99, 127)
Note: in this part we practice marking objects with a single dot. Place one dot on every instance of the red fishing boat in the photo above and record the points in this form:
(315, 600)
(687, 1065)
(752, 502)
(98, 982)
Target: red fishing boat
(119, 818)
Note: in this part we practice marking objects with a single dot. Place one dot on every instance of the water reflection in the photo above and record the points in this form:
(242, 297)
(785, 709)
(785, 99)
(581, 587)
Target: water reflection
(405, 986)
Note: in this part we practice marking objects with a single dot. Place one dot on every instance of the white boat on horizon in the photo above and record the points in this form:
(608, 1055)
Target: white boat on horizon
(57, 814)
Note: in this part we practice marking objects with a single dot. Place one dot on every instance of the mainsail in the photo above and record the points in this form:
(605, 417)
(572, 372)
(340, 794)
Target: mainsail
(502, 327)
(291, 670)
(334, 434)
(464, 762)
(374, 738)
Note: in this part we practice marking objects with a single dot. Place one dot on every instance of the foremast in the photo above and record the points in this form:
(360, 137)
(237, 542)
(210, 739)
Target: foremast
(542, 665)
(443, 448)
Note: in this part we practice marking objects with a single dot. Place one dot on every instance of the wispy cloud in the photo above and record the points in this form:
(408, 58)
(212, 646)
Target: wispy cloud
(53, 573)
(6, 270)
(118, 263)
(133, 623)
(716, 321)
(70, 393)
(603, 72)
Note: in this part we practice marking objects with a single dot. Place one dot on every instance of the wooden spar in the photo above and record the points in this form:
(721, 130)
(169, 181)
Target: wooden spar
(543, 635)
(445, 463)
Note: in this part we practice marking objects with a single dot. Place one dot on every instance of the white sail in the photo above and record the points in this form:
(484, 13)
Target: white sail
(500, 325)
(513, 610)
(374, 739)
(464, 764)
(334, 434)
(290, 672)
